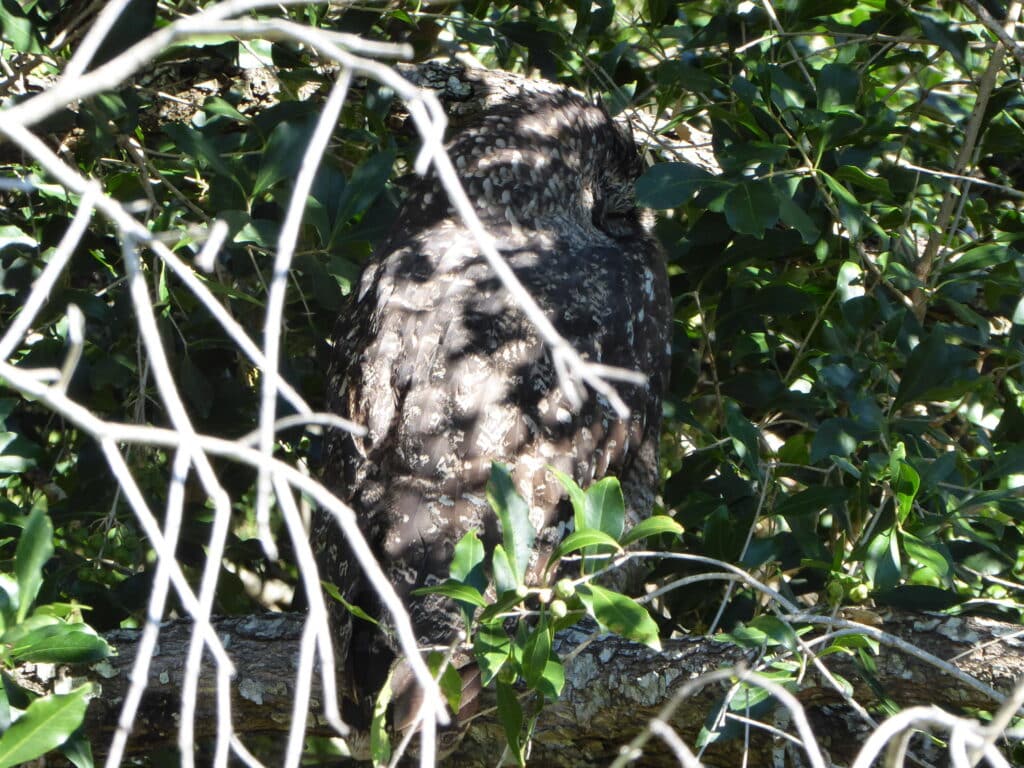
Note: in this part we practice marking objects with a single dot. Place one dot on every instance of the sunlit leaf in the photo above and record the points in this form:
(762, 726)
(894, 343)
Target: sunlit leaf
(35, 548)
(604, 508)
(456, 591)
(652, 526)
(510, 715)
(536, 653)
(45, 725)
(516, 530)
(618, 613)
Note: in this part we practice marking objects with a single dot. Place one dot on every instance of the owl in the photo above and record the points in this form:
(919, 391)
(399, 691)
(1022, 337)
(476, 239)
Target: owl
(439, 364)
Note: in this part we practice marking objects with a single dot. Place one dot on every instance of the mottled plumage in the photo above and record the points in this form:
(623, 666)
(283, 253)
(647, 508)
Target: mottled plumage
(447, 375)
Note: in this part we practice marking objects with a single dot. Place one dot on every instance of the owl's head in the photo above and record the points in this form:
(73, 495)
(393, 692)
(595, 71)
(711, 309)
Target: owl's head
(543, 157)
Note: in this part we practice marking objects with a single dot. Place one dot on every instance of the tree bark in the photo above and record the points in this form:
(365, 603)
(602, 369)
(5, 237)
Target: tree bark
(613, 688)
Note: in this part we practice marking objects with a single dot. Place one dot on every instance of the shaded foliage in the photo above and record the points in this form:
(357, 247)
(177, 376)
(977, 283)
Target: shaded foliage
(846, 410)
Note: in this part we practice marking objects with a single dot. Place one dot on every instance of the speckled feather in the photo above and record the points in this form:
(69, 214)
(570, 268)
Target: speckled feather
(448, 375)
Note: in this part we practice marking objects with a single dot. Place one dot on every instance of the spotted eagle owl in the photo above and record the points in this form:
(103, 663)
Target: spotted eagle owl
(447, 374)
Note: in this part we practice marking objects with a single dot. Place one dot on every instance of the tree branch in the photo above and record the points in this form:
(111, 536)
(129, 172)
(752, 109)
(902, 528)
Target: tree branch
(613, 688)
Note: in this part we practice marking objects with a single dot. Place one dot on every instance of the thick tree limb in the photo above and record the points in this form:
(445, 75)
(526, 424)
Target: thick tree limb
(613, 688)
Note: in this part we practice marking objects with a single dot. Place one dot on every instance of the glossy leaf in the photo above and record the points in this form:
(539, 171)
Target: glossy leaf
(536, 653)
(35, 548)
(492, 648)
(516, 530)
(618, 613)
(510, 715)
(588, 537)
(456, 591)
(505, 578)
(77, 750)
(60, 644)
(652, 526)
(45, 725)
(577, 497)
(838, 85)
(669, 185)
(604, 508)
(883, 562)
(468, 563)
(751, 207)
(380, 744)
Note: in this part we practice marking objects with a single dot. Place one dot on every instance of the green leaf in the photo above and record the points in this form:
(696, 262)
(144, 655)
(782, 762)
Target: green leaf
(605, 509)
(355, 610)
(450, 681)
(936, 369)
(979, 257)
(283, 153)
(536, 653)
(618, 613)
(17, 453)
(577, 497)
(859, 178)
(215, 105)
(947, 35)
(810, 501)
(192, 143)
(517, 532)
(468, 562)
(5, 707)
(505, 579)
(35, 548)
(905, 483)
(745, 437)
(510, 715)
(837, 437)
(491, 647)
(747, 696)
(925, 555)
(60, 644)
(380, 744)
(751, 207)
(45, 725)
(838, 86)
(792, 215)
(669, 185)
(652, 526)
(77, 750)
(588, 537)
(882, 563)
(18, 29)
(367, 182)
(851, 213)
(553, 680)
(456, 591)
(778, 631)
(743, 636)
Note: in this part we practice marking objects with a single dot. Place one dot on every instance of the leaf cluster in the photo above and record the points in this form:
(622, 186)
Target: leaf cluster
(513, 633)
(846, 409)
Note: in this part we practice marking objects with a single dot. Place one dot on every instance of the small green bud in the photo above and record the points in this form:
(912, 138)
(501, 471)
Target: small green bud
(565, 588)
(860, 593)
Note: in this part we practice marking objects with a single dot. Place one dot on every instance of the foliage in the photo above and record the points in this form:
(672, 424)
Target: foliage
(32, 630)
(846, 409)
(541, 609)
